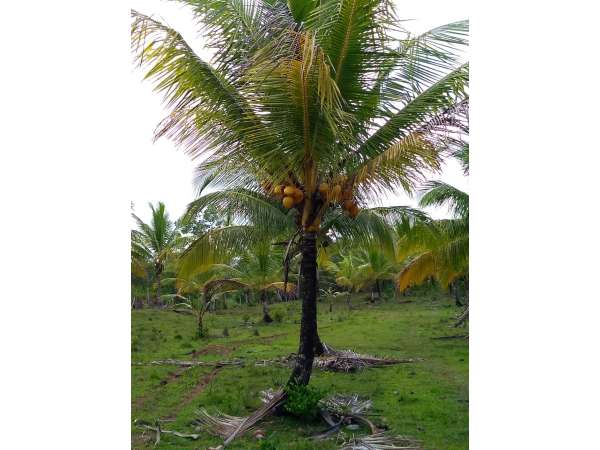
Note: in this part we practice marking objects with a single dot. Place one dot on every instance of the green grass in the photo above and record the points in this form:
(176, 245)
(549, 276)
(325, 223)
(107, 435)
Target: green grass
(426, 400)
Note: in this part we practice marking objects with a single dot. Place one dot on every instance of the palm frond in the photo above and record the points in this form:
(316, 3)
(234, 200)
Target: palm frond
(216, 246)
(208, 113)
(440, 96)
(245, 207)
(438, 193)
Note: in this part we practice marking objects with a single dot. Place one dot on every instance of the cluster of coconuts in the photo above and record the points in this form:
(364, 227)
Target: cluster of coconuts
(343, 196)
(290, 195)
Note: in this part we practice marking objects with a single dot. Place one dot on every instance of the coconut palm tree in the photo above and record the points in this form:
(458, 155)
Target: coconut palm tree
(376, 266)
(191, 294)
(258, 270)
(155, 242)
(347, 274)
(321, 106)
(439, 249)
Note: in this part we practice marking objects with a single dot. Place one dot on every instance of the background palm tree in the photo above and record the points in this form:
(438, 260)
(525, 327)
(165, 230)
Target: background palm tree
(258, 270)
(440, 249)
(154, 243)
(319, 105)
(347, 274)
(191, 294)
(376, 267)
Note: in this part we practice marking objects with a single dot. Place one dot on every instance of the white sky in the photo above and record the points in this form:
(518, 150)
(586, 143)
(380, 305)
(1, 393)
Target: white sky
(164, 173)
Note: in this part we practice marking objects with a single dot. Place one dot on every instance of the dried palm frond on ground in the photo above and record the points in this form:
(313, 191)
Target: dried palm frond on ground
(349, 361)
(379, 441)
(218, 424)
(344, 409)
(267, 395)
(346, 405)
(158, 430)
(462, 318)
(340, 361)
(230, 427)
(176, 362)
(267, 409)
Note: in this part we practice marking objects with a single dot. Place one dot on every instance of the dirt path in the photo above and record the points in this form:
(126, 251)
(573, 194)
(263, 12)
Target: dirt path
(212, 349)
(224, 350)
(197, 390)
(174, 375)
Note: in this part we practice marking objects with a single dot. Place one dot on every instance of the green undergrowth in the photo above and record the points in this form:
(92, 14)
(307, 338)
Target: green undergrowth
(426, 400)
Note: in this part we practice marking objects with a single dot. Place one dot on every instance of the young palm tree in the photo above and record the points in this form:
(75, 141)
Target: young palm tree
(376, 266)
(257, 270)
(347, 274)
(322, 106)
(191, 294)
(153, 243)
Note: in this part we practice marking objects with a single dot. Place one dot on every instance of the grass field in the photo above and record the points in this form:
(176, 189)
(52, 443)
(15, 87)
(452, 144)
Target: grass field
(426, 400)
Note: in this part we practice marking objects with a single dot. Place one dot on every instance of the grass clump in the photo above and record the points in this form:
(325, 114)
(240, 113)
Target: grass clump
(278, 315)
(303, 401)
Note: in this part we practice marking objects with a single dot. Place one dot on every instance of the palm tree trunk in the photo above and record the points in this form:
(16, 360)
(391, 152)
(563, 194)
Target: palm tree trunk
(308, 325)
(378, 290)
(158, 280)
(266, 317)
(200, 330)
(318, 345)
(456, 296)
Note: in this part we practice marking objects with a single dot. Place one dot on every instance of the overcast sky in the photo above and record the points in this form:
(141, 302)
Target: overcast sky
(164, 173)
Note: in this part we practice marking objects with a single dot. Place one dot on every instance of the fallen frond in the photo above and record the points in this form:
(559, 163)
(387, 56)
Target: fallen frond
(219, 424)
(158, 430)
(350, 361)
(462, 318)
(346, 405)
(379, 441)
(276, 400)
(229, 427)
(176, 362)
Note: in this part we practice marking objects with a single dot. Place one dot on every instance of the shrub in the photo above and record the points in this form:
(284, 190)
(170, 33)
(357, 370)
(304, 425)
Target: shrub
(225, 332)
(278, 315)
(303, 401)
(255, 332)
(202, 333)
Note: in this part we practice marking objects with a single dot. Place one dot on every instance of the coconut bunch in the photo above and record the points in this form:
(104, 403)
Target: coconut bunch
(338, 191)
(290, 194)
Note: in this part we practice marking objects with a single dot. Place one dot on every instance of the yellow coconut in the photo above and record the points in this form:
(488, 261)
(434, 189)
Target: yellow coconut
(288, 201)
(289, 190)
(324, 188)
(278, 190)
(353, 210)
(298, 195)
(336, 190)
